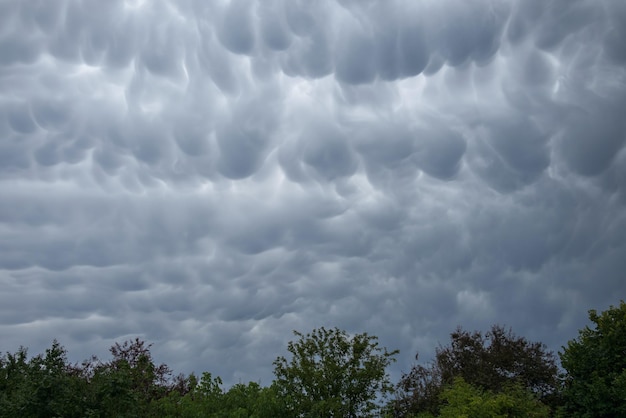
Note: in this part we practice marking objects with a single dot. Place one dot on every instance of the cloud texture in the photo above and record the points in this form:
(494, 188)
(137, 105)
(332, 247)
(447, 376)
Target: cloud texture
(211, 175)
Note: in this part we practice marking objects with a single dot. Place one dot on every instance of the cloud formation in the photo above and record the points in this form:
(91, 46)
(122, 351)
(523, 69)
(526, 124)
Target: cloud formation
(211, 175)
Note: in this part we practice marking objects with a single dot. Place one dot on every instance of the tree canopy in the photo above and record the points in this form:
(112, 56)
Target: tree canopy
(595, 383)
(464, 400)
(43, 386)
(493, 361)
(333, 374)
(330, 373)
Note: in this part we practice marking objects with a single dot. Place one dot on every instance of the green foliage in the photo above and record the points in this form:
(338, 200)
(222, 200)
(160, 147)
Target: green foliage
(207, 399)
(126, 385)
(332, 374)
(492, 361)
(252, 401)
(464, 400)
(44, 386)
(595, 383)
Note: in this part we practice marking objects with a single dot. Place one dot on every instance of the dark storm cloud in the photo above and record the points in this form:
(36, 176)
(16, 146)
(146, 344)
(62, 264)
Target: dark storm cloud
(211, 175)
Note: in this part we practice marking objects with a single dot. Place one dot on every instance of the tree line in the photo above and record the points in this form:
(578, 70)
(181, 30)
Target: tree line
(329, 373)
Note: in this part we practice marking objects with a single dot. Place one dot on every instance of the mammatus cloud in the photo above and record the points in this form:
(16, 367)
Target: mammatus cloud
(211, 175)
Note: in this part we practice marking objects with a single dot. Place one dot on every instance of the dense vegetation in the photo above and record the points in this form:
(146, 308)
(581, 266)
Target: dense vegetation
(331, 374)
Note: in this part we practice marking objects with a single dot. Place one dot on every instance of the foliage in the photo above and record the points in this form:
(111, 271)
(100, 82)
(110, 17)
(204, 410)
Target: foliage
(128, 383)
(44, 386)
(419, 391)
(329, 373)
(492, 361)
(207, 399)
(464, 400)
(595, 362)
(48, 386)
(332, 374)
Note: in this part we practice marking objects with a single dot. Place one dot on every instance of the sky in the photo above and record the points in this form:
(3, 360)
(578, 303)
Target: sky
(211, 175)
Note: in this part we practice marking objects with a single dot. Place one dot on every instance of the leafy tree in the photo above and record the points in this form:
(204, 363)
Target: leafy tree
(333, 374)
(595, 382)
(492, 361)
(252, 401)
(14, 371)
(419, 391)
(128, 384)
(464, 400)
(148, 379)
(44, 386)
(179, 401)
(208, 399)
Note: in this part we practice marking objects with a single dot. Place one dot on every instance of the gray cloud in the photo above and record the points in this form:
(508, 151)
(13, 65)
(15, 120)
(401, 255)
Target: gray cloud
(210, 176)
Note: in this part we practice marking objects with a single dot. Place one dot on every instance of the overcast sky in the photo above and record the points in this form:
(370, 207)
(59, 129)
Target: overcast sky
(211, 175)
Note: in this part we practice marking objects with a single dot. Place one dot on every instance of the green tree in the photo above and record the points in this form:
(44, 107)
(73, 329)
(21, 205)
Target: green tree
(595, 364)
(491, 361)
(208, 399)
(252, 401)
(462, 400)
(44, 386)
(178, 399)
(128, 384)
(333, 374)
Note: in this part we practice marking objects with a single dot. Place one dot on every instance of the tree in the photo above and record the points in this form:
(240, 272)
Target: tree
(208, 399)
(252, 401)
(464, 400)
(333, 374)
(595, 364)
(492, 361)
(129, 383)
(44, 386)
